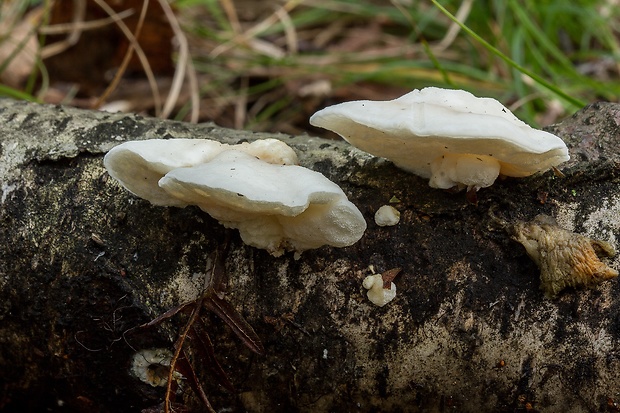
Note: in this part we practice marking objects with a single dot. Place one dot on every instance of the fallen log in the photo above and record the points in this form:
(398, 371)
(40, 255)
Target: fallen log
(84, 263)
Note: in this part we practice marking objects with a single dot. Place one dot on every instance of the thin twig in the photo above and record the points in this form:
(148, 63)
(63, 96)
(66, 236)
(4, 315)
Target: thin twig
(134, 46)
(231, 13)
(461, 14)
(61, 28)
(242, 329)
(241, 103)
(205, 348)
(193, 91)
(289, 30)
(79, 13)
(182, 63)
(177, 351)
(243, 38)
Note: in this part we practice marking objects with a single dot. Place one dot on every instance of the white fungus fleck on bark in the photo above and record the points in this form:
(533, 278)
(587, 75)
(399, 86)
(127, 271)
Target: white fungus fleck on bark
(151, 366)
(377, 294)
(387, 216)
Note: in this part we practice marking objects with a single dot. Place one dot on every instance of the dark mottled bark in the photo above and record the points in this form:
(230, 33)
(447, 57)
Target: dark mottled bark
(83, 261)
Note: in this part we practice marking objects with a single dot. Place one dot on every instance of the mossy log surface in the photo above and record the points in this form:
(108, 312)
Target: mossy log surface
(83, 261)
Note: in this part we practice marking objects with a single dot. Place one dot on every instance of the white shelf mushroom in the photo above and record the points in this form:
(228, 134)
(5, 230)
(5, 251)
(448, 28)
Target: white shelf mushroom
(274, 207)
(139, 165)
(449, 136)
(253, 187)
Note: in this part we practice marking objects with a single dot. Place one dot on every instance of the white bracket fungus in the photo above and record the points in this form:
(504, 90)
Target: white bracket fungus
(449, 136)
(139, 165)
(387, 216)
(253, 187)
(274, 207)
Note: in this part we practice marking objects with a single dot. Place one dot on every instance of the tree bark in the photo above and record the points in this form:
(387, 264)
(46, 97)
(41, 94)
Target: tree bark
(84, 262)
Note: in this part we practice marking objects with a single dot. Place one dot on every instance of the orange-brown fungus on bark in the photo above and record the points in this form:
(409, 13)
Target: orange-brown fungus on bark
(565, 259)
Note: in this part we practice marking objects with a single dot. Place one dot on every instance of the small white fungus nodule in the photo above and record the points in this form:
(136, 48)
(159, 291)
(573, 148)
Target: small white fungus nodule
(151, 366)
(451, 137)
(387, 216)
(376, 293)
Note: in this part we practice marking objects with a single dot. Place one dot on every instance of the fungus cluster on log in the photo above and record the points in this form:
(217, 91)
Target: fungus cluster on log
(451, 137)
(253, 187)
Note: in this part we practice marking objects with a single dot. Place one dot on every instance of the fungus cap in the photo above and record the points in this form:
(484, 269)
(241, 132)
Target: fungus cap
(139, 165)
(274, 207)
(449, 136)
(151, 366)
(387, 216)
(377, 293)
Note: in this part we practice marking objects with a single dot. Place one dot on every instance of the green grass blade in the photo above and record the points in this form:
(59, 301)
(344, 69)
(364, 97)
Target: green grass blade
(538, 79)
(16, 94)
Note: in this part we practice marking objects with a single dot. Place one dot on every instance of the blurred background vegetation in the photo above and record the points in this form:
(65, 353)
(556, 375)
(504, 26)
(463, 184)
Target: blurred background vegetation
(268, 65)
